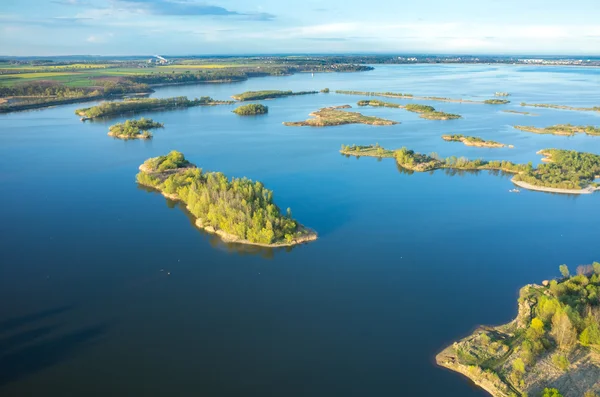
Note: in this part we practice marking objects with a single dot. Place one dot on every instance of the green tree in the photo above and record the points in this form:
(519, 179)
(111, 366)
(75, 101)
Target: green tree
(551, 393)
(564, 270)
(563, 331)
(590, 335)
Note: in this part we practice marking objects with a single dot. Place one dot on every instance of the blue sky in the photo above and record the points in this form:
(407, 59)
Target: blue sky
(140, 27)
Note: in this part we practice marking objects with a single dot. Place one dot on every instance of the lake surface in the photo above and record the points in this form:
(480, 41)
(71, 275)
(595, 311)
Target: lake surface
(108, 289)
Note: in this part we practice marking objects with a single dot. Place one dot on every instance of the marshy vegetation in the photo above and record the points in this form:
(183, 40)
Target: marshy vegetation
(237, 209)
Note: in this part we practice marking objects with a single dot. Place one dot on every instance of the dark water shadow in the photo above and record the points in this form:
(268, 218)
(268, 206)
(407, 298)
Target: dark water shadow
(31, 359)
(215, 241)
(24, 337)
(20, 321)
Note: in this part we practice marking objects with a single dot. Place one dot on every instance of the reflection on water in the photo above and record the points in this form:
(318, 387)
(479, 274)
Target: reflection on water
(214, 240)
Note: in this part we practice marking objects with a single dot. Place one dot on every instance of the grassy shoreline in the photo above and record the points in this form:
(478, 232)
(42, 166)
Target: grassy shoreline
(333, 116)
(564, 171)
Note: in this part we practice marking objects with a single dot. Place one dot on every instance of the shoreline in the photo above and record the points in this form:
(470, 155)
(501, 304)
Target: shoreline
(524, 185)
(311, 235)
(529, 186)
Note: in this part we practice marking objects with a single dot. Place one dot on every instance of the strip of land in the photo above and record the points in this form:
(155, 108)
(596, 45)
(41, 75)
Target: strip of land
(562, 107)
(268, 94)
(237, 210)
(561, 129)
(474, 141)
(553, 343)
(425, 98)
(332, 116)
(564, 171)
(134, 129)
(426, 112)
(518, 112)
(145, 104)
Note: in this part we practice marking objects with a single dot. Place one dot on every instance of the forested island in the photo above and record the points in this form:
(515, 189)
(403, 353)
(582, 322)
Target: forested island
(237, 209)
(564, 171)
(411, 96)
(551, 349)
(134, 129)
(427, 112)
(332, 116)
(561, 129)
(473, 141)
(562, 107)
(268, 94)
(251, 109)
(145, 104)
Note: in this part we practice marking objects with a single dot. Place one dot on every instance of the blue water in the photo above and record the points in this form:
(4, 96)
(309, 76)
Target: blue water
(108, 289)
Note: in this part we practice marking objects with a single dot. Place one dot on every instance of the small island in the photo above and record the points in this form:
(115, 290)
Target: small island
(561, 129)
(426, 112)
(251, 109)
(237, 210)
(496, 101)
(501, 94)
(332, 116)
(268, 94)
(562, 107)
(564, 171)
(552, 347)
(473, 141)
(134, 129)
(144, 104)
(325, 91)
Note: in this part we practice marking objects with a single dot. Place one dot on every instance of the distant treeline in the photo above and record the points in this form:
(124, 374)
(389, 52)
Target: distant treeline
(138, 105)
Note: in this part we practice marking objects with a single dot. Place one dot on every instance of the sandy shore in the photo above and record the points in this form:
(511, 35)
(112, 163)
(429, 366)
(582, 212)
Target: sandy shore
(525, 185)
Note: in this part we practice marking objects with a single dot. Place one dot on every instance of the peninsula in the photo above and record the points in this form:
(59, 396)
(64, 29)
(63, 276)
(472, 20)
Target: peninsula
(134, 129)
(564, 171)
(473, 141)
(268, 94)
(331, 116)
(424, 98)
(237, 209)
(145, 104)
(552, 347)
(427, 112)
(561, 129)
(562, 107)
(251, 109)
